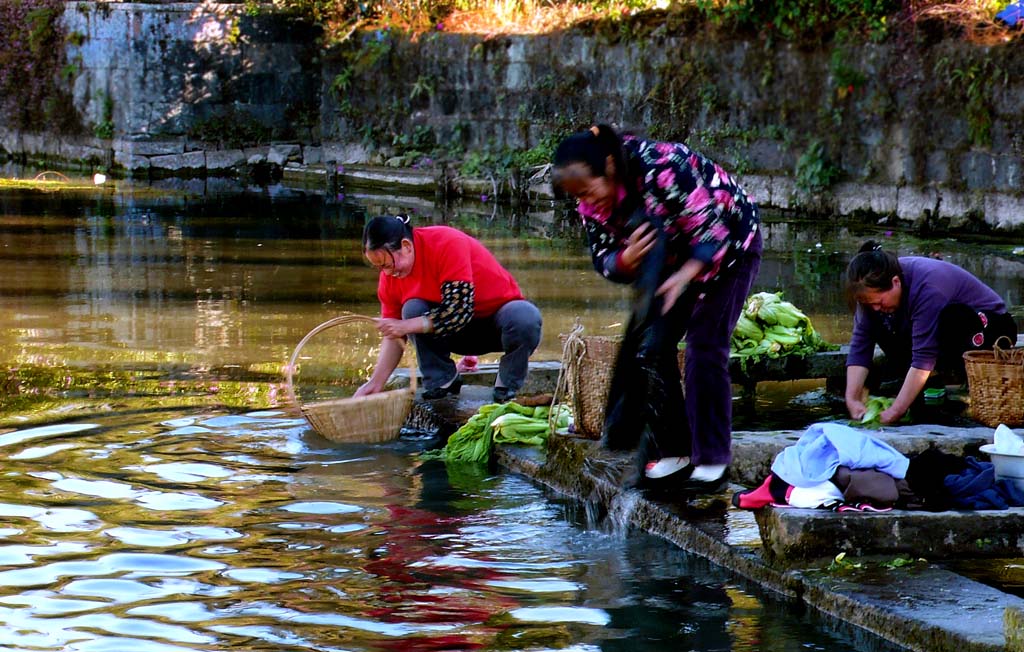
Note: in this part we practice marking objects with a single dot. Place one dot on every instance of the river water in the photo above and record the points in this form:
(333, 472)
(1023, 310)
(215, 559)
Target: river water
(158, 495)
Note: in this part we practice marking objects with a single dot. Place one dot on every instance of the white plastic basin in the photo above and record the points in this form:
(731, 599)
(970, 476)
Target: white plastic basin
(1007, 467)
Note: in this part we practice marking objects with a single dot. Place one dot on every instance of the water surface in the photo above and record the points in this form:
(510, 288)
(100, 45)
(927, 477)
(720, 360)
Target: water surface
(157, 496)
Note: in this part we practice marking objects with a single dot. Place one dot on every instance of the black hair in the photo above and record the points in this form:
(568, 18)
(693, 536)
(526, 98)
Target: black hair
(592, 147)
(386, 232)
(872, 268)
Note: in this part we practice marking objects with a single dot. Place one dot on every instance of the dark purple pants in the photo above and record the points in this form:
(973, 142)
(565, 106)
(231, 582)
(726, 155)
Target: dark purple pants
(699, 425)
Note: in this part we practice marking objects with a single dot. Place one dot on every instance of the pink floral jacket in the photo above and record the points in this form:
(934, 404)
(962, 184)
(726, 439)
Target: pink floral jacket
(706, 214)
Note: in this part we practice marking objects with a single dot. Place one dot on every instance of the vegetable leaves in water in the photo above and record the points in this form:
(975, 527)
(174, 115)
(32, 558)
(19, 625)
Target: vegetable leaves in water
(876, 405)
(499, 423)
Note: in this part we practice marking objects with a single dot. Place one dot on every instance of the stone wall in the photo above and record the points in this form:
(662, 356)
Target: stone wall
(924, 130)
(920, 132)
(180, 86)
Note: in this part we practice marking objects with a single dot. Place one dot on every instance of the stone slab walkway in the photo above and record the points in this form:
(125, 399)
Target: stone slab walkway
(920, 606)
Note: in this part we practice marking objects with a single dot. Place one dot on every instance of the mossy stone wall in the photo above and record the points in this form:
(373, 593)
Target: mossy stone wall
(947, 113)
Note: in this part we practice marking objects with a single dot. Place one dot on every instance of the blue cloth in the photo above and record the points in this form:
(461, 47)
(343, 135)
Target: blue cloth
(824, 447)
(1012, 14)
(977, 488)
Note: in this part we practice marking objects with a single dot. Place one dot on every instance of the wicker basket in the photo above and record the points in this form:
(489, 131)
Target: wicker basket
(995, 380)
(365, 419)
(589, 363)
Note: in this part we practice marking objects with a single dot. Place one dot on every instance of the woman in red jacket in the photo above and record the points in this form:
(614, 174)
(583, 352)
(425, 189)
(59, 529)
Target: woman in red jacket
(451, 295)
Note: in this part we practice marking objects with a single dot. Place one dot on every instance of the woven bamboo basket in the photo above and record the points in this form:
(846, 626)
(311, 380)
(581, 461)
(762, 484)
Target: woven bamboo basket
(364, 419)
(995, 381)
(589, 364)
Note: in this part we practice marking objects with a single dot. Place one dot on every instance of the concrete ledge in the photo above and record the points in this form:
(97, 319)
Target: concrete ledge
(798, 536)
(920, 607)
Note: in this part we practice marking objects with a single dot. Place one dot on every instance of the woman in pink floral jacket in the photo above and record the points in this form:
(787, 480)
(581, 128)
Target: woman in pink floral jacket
(702, 233)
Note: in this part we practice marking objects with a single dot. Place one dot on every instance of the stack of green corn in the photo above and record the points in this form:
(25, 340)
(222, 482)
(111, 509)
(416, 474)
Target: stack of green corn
(771, 328)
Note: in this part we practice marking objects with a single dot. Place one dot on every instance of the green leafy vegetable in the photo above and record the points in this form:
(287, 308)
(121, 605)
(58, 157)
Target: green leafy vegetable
(875, 406)
(499, 423)
(769, 327)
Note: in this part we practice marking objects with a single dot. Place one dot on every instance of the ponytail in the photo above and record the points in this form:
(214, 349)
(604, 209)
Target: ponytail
(591, 147)
(872, 268)
(386, 232)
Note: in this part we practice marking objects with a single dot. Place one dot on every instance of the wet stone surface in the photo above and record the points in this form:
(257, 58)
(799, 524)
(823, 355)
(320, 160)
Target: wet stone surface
(914, 603)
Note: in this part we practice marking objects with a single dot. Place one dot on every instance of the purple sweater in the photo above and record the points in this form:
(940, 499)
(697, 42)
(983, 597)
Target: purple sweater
(929, 286)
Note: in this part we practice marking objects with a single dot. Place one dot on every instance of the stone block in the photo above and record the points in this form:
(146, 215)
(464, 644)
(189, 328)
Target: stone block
(952, 203)
(770, 156)
(978, 170)
(275, 157)
(518, 76)
(784, 192)
(936, 167)
(179, 162)
(10, 141)
(912, 202)
(224, 159)
(149, 147)
(878, 199)
(1008, 175)
(131, 162)
(75, 151)
(312, 155)
(39, 144)
(345, 153)
(797, 536)
(290, 151)
(1004, 212)
(256, 155)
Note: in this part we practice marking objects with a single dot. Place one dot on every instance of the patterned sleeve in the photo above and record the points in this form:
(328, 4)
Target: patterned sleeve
(697, 191)
(456, 309)
(605, 248)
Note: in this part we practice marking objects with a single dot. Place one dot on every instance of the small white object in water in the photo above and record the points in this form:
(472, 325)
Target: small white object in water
(99, 178)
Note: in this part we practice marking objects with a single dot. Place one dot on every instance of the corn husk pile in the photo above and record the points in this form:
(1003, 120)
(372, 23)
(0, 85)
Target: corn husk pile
(772, 328)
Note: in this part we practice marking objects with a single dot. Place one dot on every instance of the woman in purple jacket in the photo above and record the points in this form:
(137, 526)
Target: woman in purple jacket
(924, 314)
(665, 218)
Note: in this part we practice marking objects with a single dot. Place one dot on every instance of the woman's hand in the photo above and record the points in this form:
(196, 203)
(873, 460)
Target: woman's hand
(892, 415)
(367, 388)
(398, 328)
(638, 244)
(675, 285)
(856, 408)
(856, 392)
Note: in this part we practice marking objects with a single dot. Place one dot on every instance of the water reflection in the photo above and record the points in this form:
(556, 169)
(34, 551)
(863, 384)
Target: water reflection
(147, 506)
(186, 300)
(220, 531)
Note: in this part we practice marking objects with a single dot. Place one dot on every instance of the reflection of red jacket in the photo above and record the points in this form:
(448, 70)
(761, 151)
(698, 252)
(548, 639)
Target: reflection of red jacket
(444, 254)
(406, 594)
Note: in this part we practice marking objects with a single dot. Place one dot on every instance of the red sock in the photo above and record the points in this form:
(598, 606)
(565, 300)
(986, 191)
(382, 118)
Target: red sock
(774, 490)
(755, 498)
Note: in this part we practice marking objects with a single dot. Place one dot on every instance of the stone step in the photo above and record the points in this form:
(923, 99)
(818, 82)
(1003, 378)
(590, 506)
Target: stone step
(920, 607)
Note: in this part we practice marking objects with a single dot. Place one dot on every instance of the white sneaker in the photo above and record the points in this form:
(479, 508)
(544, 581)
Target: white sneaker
(666, 466)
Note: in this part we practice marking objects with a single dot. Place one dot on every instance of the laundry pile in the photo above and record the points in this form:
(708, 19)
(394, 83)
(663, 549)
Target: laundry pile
(836, 467)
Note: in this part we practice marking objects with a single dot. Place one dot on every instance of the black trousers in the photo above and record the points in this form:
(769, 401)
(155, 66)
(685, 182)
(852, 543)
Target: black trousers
(961, 329)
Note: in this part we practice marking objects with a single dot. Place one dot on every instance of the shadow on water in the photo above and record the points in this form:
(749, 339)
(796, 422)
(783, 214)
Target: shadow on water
(156, 501)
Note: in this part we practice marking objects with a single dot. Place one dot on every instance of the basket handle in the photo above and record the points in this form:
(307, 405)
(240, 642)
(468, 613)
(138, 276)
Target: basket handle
(330, 323)
(1001, 354)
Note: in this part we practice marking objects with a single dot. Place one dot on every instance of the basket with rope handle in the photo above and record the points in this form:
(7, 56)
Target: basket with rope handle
(370, 419)
(585, 378)
(995, 382)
